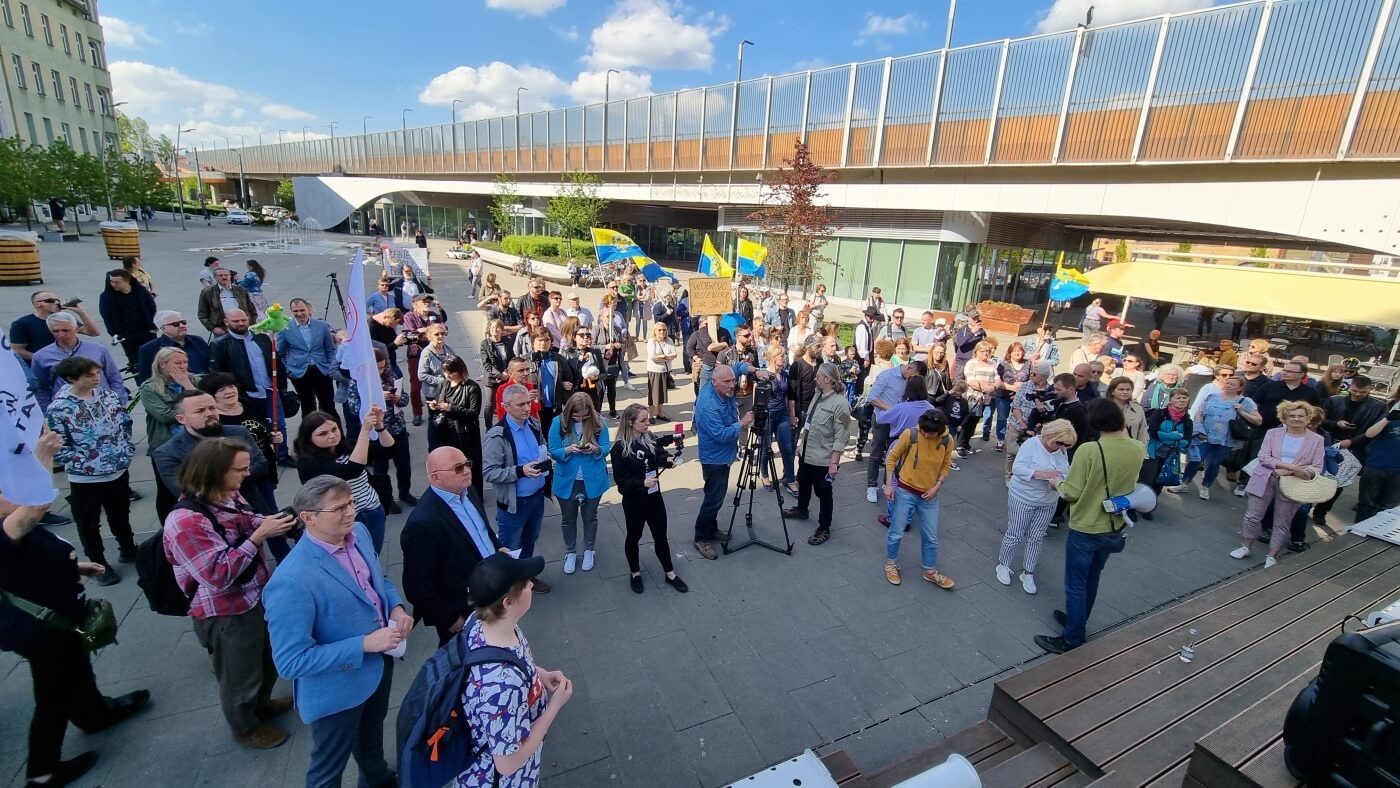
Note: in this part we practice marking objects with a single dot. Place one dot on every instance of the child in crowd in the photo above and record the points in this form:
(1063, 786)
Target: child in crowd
(954, 406)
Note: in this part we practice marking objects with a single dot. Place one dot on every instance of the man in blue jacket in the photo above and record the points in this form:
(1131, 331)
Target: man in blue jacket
(718, 426)
(336, 622)
(306, 350)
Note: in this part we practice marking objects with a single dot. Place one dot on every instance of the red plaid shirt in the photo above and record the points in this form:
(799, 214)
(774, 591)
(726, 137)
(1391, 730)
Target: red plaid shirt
(207, 567)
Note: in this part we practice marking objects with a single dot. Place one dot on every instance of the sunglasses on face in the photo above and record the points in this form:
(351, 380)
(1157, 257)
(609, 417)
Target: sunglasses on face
(177, 323)
(47, 301)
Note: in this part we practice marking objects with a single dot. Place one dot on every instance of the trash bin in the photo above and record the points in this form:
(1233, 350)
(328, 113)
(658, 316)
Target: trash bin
(122, 239)
(19, 258)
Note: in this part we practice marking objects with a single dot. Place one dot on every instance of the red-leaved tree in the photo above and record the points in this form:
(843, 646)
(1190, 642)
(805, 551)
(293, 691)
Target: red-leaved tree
(793, 222)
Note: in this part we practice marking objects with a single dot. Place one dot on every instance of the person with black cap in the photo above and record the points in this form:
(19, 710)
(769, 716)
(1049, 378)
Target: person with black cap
(865, 343)
(510, 713)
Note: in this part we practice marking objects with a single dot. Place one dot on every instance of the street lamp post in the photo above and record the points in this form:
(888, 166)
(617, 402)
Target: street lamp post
(280, 132)
(364, 125)
(517, 126)
(455, 102)
(179, 182)
(607, 97)
(243, 201)
(332, 126)
(303, 133)
(403, 119)
(102, 151)
(199, 180)
(734, 110)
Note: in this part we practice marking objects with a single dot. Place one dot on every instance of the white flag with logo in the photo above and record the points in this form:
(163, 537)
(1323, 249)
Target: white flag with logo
(23, 479)
(359, 352)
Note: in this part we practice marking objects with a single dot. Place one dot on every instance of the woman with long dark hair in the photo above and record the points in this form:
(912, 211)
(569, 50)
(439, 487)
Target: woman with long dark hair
(637, 461)
(579, 444)
(456, 415)
(321, 449)
(253, 280)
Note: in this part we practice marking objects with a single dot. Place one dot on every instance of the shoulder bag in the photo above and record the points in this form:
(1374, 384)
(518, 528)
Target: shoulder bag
(1315, 490)
(97, 629)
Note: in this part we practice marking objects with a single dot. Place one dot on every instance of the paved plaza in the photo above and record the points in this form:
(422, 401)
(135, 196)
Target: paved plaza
(767, 655)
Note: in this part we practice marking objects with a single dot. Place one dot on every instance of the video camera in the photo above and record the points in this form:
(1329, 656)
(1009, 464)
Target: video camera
(762, 391)
(1041, 395)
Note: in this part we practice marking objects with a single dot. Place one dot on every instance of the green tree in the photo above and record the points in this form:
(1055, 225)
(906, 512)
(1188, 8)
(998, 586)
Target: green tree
(136, 182)
(575, 207)
(76, 178)
(1120, 251)
(505, 198)
(18, 185)
(165, 150)
(134, 134)
(1258, 251)
(286, 195)
(794, 225)
(1181, 247)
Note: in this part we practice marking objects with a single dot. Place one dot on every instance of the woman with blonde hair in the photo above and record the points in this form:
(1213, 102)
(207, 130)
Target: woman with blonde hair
(170, 377)
(638, 459)
(661, 351)
(1287, 450)
(579, 444)
(980, 373)
(488, 292)
(1042, 462)
(1333, 381)
(797, 335)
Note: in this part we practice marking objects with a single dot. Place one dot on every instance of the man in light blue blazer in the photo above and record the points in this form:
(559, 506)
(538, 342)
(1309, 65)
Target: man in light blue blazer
(306, 351)
(336, 621)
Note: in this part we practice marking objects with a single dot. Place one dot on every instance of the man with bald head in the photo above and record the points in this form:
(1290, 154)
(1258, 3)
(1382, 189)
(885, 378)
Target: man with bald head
(444, 539)
(216, 300)
(718, 426)
(247, 356)
(1084, 380)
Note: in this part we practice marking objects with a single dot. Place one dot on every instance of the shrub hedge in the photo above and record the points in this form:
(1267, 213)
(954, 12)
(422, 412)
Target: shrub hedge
(544, 246)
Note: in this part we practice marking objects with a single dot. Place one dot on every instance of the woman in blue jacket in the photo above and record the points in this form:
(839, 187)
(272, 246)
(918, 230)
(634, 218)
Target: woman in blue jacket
(579, 444)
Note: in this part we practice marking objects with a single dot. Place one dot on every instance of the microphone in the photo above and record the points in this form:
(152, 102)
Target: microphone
(680, 435)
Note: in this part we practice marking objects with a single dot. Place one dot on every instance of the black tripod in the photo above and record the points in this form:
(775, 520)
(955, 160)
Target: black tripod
(749, 465)
(333, 292)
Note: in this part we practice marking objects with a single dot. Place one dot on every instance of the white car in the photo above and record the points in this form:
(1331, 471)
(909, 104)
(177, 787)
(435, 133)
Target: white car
(239, 216)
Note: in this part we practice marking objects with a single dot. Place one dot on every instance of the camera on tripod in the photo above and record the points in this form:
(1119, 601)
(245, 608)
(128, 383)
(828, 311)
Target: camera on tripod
(762, 391)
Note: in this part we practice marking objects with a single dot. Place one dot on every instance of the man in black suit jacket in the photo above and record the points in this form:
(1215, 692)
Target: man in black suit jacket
(444, 539)
(233, 353)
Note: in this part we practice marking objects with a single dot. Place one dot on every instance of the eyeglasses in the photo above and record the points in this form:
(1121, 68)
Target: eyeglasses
(243, 469)
(47, 301)
(459, 468)
(1224, 374)
(177, 323)
(338, 511)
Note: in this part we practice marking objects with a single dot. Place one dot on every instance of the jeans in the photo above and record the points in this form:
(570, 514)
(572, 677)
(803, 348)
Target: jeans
(706, 371)
(880, 440)
(812, 478)
(780, 429)
(906, 504)
(1001, 406)
(716, 485)
(1380, 490)
(570, 508)
(1212, 456)
(373, 521)
(1085, 556)
(520, 530)
(358, 731)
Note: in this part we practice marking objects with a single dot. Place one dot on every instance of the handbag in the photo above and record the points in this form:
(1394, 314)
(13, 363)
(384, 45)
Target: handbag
(1315, 490)
(97, 629)
(1169, 474)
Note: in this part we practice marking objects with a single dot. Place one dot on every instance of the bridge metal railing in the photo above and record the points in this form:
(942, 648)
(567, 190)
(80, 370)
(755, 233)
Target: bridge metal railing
(1273, 80)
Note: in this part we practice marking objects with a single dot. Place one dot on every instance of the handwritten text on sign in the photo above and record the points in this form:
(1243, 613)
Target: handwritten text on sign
(710, 295)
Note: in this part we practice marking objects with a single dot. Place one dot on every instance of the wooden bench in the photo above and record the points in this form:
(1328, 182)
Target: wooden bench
(999, 761)
(1124, 709)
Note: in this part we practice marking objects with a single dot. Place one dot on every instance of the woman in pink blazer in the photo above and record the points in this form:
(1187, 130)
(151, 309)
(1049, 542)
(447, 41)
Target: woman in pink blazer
(1289, 450)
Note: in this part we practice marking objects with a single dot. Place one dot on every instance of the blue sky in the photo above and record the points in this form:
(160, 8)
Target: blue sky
(258, 67)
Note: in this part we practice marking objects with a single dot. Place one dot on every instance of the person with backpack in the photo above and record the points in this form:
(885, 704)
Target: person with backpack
(214, 542)
(510, 711)
(336, 621)
(917, 466)
(42, 569)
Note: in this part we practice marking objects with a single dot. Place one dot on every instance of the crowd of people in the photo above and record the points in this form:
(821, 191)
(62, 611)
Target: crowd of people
(299, 592)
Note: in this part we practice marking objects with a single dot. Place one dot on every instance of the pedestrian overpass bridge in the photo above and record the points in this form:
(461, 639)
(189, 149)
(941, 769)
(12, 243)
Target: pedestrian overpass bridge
(1269, 122)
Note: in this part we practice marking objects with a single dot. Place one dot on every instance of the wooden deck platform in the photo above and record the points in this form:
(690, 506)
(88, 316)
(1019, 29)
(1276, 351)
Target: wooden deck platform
(1124, 709)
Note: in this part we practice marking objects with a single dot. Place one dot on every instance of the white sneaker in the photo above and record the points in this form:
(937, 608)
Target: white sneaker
(1238, 491)
(588, 560)
(569, 561)
(1240, 552)
(1204, 493)
(1028, 583)
(1004, 575)
(1176, 488)
(1269, 561)
(871, 494)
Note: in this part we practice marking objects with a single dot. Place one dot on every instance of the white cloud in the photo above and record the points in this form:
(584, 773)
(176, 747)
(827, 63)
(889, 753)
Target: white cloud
(489, 90)
(569, 33)
(285, 112)
(154, 90)
(877, 26)
(190, 28)
(589, 87)
(525, 7)
(121, 33)
(1065, 14)
(653, 34)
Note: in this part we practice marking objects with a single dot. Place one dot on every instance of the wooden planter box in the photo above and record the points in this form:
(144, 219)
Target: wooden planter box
(1000, 319)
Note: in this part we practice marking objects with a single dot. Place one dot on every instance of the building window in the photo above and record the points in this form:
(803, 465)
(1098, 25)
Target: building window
(48, 31)
(57, 83)
(96, 53)
(5, 9)
(73, 89)
(102, 100)
(67, 134)
(95, 142)
(82, 137)
(87, 88)
(24, 17)
(48, 130)
(38, 78)
(67, 45)
(18, 63)
(78, 37)
(29, 124)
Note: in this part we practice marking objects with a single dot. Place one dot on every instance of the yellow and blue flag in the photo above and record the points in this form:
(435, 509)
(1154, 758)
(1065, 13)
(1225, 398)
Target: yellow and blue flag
(612, 245)
(652, 270)
(751, 258)
(711, 263)
(1068, 283)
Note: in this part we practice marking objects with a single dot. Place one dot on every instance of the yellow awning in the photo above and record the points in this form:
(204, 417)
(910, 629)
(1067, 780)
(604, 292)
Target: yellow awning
(1333, 298)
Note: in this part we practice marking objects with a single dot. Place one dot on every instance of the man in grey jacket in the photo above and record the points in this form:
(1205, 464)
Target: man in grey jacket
(515, 461)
